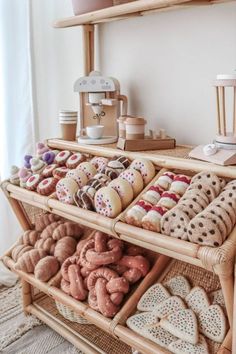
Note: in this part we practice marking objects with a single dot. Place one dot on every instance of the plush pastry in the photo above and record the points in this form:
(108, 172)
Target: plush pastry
(48, 245)
(27, 163)
(180, 184)
(33, 182)
(197, 300)
(153, 195)
(134, 178)
(110, 172)
(79, 176)
(19, 250)
(29, 237)
(37, 165)
(165, 180)
(88, 169)
(168, 306)
(155, 295)
(24, 174)
(104, 179)
(48, 170)
(65, 248)
(141, 320)
(175, 223)
(99, 163)
(14, 178)
(48, 157)
(43, 220)
(65, 189)
(84, 198)
(60, 172)
(182, 347)
(76, 283)
(118, 164)
(47, 186)
(62, 157)
(48, 231)
(75, 159)
(124, 189)
(212, 323)
(152, 220)
(135, 214)
(178, 286)
(107, 202)
(208, 178)
(28, 260)
(41, 148)
(68, 228)
(123, 160)
(158, 335)
(46, 268)
(169, 199)
(145, 167)
(138, 267)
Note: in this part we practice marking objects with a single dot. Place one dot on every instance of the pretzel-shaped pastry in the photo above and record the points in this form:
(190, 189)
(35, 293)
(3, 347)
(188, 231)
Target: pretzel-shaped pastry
(77, 287)
(66, 264)
(138, 267)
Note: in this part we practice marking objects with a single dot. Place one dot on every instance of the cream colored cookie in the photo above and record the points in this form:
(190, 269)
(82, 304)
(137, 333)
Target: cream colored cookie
(197, 300)
(212, 323)
(152, 297)
(178, 286)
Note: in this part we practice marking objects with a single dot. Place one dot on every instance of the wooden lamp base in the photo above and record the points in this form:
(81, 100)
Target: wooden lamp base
(146, 144)
(221, 157)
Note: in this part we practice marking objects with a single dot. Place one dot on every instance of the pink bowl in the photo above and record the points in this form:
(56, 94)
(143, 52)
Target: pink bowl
(82, 6)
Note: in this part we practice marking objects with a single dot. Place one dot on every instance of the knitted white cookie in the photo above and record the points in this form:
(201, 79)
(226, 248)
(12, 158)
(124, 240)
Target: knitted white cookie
(197, 300)
(182, 324)
(158, 335)
(208, 178)
(153, 296)
(168, 306)
(175, 223)
(178, 286)
(217, 297)
(139, 321)
(212, 323)
(182, 347)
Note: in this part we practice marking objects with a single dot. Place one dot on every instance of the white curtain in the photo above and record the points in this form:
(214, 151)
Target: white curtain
(17, 122)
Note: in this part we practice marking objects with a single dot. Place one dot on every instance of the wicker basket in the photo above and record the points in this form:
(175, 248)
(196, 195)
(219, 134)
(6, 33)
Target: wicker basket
(119, 2)
(69, 314)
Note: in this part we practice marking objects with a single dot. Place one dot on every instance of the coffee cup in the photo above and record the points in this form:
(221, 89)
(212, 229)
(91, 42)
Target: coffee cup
(95, 131)
(68, 123)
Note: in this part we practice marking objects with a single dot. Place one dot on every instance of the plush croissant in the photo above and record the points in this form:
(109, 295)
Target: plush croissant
(67, 229)
(19, 250)
(28, 260)
(42, 221)
(48, 231)
(47, 245)
(30, 237)
(46, 268)
(65, 248)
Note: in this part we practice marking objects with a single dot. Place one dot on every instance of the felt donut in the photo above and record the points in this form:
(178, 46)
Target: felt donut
(138, 267)
(33, 182)
(118, 164)
(84, 198)
(65, 189)
(23, 175)
(169, 199)
(104, 179)
(135, 214)
(124, 189)
(37, 165)
(110, 172)
(48, 157)
(48, 170)
(134, 178)
(152, 220)
(180, 184)
(107, 202)
(165, 180)
(62, 157)
(27, 163)
(79, 177)
(145, 167)
(88, 169)
(75, 159)
(60, 172)
(41, 148)
(99, 162)
(14, 178)
(153, 195)
(47, 186)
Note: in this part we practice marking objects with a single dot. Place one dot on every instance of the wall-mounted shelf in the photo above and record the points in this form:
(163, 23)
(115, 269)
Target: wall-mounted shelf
(132, 9)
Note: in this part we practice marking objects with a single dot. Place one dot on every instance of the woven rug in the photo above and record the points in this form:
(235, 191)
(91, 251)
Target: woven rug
(22, 334)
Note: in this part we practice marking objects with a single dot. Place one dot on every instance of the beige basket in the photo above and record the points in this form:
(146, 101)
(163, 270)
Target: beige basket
(69, 314)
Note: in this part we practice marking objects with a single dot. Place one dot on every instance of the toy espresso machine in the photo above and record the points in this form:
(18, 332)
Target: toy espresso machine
(223, 150)
(100, 106)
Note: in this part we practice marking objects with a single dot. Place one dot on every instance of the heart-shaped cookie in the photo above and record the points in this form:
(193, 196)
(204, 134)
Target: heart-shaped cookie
(168, 306)
(212, 323)
(178, 286)
(158, 335)
(197, 300)
(153, 296)
(182, 347)
(139, 321)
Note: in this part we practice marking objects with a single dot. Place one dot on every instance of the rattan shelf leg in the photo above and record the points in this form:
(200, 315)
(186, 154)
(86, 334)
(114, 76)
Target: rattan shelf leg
(225, 273)
(234, 315)
(27, 298)
(20, 214)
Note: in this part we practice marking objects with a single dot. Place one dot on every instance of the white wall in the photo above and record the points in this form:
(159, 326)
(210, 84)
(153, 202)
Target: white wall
(165, 63)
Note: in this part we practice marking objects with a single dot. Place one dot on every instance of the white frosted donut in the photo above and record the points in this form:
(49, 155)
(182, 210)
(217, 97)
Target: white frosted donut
(65, 190)
(62, 157)
(33, 182)
(75, 159)
(79, 177)
(124, 189)
(88, 169)
(145, 167)
(134, 178)
(99, 162)
(107, 202)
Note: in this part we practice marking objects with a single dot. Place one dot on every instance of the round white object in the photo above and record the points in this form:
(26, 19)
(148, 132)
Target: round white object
(209, 149)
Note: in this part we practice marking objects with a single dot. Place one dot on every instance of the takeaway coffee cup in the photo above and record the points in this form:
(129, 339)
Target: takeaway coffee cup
(68, 123)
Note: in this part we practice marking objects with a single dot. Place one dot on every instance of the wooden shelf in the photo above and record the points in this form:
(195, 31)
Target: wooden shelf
(132, 9)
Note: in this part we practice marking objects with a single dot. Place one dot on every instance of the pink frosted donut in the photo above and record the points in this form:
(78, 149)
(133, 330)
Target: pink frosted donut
(165, 180)
(152, 220)
(48, 170)
(33, 182)
(62, 157)
(135, 214)
(169, 199)
(88, 169)
(145, 167)
(134, 178)
(107, 202)
(75, 159)
(60, 172)
(124, 189)
(79, 177)
(47, 186)
(180, 184)
(65, 189)
(99, 163)
(153, 194)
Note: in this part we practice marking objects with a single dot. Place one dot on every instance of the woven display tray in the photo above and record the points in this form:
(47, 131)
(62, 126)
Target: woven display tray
(70, 315)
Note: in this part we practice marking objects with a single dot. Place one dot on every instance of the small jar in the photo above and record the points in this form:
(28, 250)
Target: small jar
(121, 124)
(135, 128)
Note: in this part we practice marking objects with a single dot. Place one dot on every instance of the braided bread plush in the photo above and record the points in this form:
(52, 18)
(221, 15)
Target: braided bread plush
(28, 260)
(48, 231)
(47, 245)
(19, 250)
(65, 248)
(42, 221)
(67, 229)
(29, 237)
